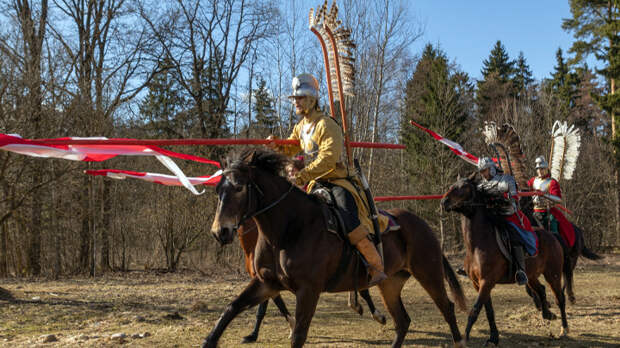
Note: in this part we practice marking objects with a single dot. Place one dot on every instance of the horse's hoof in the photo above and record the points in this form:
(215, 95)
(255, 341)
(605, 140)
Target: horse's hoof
(291, 323)
(379, 318)
(549, 316)
(564, 332)
(572, 299)
(460, 344)
(490, 344)
(208, 344)
(249, 339)
(358, 309)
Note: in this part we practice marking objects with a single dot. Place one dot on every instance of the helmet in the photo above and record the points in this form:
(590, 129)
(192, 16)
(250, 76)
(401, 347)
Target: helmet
(541, 163)
(305, 85)
(486, 162)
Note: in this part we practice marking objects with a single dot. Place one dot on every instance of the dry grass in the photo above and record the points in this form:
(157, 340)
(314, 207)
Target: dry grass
(86, 312)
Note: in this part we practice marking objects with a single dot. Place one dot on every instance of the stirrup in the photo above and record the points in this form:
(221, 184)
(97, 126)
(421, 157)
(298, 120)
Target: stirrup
(521, 277)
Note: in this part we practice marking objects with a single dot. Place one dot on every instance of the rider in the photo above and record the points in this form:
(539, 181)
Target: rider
(551, 188)
(496, 184)
(322, 142)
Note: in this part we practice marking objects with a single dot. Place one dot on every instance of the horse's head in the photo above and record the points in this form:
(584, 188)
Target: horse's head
(239, 196)
(460, 195)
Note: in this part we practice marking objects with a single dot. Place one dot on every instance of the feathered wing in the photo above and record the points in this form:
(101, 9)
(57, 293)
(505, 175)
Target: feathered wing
(509, 147)
(340, 47)
(564, 150)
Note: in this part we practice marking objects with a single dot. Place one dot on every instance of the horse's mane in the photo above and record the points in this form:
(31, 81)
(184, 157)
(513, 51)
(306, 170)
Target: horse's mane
(264, 159)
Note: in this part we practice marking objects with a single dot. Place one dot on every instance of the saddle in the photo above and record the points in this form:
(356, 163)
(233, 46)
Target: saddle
(505, 239)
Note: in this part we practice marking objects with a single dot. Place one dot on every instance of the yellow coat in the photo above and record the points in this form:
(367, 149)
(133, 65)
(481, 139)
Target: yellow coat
(322, 141)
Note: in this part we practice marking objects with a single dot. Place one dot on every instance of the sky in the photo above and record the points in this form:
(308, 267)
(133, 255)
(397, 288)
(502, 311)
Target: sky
(467, 30)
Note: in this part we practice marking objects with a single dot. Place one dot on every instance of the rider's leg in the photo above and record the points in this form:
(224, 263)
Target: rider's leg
(519, 254)
(360, 238)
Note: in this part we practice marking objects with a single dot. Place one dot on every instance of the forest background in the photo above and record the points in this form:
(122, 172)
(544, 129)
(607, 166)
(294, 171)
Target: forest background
(222, 69)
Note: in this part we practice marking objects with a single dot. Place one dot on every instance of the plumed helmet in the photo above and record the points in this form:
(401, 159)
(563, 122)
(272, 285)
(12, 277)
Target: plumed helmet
(305, 85)
(486, 162)
(541, 163)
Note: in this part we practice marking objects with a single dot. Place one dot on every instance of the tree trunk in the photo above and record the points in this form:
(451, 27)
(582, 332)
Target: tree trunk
(104, 259)
(33, 251)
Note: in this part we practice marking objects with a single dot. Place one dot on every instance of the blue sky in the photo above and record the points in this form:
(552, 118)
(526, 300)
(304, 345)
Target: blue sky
(467, 30)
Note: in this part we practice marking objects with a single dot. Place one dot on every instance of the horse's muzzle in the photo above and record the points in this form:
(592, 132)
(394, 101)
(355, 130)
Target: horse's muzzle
(446, 204)
(224, 235)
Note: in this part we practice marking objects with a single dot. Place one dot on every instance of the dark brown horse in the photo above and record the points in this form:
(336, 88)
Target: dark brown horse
(485, 264)
(248, 236)
(571, 254)
(295, 251)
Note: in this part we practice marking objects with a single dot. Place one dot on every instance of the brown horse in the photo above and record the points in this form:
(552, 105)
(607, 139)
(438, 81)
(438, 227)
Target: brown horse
(571, 254)
(248, 236)
(485, 264)
(296, 252)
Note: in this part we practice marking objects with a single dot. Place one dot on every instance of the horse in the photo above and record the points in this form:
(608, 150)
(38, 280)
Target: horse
(296, 252)
(248, 236)
(486, 266)
(571, 254)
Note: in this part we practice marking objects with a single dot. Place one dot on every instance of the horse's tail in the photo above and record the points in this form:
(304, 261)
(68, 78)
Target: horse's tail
(585, 252)
(455, 287)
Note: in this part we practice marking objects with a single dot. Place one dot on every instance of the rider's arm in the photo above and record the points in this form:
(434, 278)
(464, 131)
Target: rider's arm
(328, 137)
(554, 193)
(290, 150)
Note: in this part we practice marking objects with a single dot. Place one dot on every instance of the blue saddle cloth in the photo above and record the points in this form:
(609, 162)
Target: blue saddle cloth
(527, 239)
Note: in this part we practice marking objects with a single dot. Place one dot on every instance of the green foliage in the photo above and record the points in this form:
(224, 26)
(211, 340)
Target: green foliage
(162, 109)
(522, 76)
(564, 84)
(498, 64)
(596, 24)
(266, 119)
(498, 82)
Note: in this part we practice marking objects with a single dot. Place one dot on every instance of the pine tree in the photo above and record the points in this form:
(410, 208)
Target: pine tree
(522, 76)
(499, 63)
(497, 81)
(564, 84)
(264, 111)
(162, 108)
(596, 25)
(438, 96)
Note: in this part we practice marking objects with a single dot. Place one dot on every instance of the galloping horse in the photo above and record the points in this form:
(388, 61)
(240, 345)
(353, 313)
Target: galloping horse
(248, 236)
(485, 264)
(296, 252)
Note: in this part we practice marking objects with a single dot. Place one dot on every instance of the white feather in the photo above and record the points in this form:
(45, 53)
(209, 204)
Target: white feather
(490, 132)
(566, 144)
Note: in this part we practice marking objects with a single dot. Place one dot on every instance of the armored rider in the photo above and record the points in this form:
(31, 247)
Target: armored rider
(322, 141)
(504, 187)
(544, 183)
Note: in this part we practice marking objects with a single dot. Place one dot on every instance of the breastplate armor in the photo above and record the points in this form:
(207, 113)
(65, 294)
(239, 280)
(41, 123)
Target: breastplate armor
(541, 184)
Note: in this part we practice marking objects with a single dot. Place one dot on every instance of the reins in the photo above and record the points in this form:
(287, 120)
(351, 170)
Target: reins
(250, 186)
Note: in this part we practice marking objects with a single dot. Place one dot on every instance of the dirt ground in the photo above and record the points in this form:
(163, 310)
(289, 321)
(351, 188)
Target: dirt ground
(179, 310)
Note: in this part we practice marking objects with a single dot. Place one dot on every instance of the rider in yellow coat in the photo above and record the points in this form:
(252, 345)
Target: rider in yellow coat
(322, 141)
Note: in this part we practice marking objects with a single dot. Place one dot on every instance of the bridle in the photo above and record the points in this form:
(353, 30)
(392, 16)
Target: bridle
(469, 203)
(250, 187)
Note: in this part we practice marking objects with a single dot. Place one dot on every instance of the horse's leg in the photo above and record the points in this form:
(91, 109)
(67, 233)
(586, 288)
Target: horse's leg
(284, 311)
(539, 291)
(569, 269)
(554, 280)
(484, 294)
(376, 314)
(390, 294)
(494, 337)
(307, 300)
(260, 314)
(432, 281)
(256, 292)
(354, 305)
(534, 297)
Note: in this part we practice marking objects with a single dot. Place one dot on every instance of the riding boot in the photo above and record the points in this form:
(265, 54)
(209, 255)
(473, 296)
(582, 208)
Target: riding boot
(375, 266)
(519, 255)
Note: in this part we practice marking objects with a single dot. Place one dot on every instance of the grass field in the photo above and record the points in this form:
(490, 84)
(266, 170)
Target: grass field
(179, 310)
